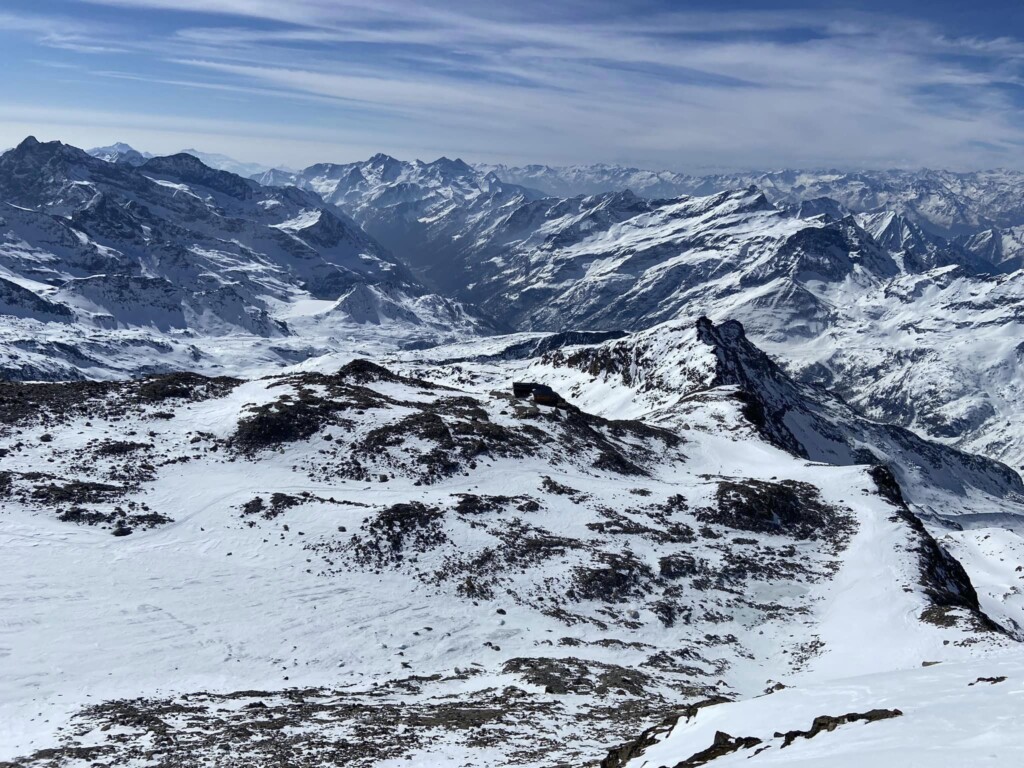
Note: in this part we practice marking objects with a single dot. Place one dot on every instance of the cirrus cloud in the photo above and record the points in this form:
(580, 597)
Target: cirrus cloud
(567, 82)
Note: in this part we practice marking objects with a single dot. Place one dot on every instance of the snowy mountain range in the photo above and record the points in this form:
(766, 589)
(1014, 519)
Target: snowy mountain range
(945, 202)
(178, 248)
(838, 296)
(422, 212)
(274, 499)
(980, 211)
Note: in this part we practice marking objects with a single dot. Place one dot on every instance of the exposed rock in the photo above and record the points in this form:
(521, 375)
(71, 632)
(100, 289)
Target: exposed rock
(827, 723)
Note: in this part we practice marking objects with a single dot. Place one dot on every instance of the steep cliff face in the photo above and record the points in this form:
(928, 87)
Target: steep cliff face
(813, 423)
(665, 370)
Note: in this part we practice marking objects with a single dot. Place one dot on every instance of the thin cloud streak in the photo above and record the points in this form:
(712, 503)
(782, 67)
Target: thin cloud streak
(674, 88)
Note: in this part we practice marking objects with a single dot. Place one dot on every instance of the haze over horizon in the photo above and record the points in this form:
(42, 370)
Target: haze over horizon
(700, 87)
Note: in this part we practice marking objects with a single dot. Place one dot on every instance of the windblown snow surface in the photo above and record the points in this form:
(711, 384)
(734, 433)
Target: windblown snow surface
(362, 564)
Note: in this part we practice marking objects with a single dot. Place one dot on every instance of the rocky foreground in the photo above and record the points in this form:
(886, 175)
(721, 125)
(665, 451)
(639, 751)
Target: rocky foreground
(400, 562)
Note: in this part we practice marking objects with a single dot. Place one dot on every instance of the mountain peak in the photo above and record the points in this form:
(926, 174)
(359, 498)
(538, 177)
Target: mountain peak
(452, 166)
(384, 167)
(117, 146)
(119, 152)
(33, 151)
(190, 169)
(381, 158)
(32, 147)
(179, 160)
(728, 333)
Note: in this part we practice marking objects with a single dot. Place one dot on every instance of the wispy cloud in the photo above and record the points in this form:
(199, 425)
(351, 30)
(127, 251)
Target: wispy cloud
(65, 32)
(578, 82)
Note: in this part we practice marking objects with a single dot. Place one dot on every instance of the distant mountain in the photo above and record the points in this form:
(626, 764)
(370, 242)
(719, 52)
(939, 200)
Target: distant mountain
(574, 180)
(175, 246)
(120, 152)
(124, 153)
(942, 202)
(225, 163)
(416, 209)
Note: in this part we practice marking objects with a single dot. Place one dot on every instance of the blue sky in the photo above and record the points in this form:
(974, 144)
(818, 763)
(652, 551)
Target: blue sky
(693, 86)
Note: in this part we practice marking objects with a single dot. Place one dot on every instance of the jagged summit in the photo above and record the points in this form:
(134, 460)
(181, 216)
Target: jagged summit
(455, 167)
(31, 146)
(811, 422)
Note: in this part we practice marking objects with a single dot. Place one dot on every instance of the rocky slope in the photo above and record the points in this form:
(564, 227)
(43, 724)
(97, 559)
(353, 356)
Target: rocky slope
(885, 720)
(355, 564)
(655, 367)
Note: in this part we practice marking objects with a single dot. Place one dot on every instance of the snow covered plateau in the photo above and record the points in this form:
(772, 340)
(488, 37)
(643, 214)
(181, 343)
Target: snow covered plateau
(268, 496)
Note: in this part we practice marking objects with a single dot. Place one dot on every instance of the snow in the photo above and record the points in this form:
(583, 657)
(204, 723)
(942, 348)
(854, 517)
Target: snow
(302, 221)
(183, 188)
(208, 603)
(948, 720)
(228, 266)
(994, 554)
(189, 270)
